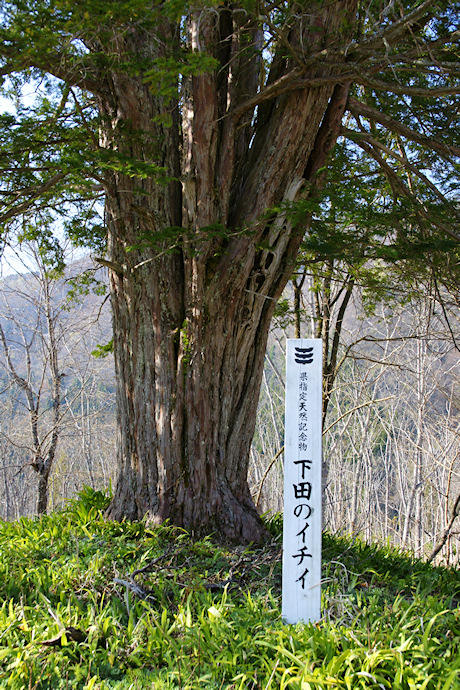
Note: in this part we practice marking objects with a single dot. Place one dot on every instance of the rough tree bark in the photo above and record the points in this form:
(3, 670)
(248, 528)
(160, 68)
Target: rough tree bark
(191, 323)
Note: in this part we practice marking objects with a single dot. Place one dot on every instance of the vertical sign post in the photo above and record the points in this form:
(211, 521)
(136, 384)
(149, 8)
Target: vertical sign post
(302, 482)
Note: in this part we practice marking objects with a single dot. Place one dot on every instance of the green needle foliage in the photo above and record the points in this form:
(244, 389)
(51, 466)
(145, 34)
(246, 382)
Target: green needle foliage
(209, 616)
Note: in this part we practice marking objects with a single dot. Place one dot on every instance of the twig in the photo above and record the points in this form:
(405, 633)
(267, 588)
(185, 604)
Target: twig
(150, 565)
(445, 534)
(221, 585)
(262, 481)
(135, 588)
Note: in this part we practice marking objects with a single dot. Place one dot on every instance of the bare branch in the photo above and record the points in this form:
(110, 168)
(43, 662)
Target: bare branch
(444, 536)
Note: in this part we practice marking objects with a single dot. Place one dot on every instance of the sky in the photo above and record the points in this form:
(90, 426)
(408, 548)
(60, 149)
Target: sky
(13, 259)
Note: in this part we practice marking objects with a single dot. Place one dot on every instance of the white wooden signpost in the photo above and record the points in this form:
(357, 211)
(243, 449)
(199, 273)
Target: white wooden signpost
(302, 482)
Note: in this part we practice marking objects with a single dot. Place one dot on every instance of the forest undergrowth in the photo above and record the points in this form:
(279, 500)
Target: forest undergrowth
(92, 604)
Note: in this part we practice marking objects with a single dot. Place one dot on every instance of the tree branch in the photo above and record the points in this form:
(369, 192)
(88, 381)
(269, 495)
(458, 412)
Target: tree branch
(376, 144)
(35, 193)
(356, 108)
(399, 187)
(396, 31)
(57, 63)
(289, 82)
(443, 538)
(380, 85)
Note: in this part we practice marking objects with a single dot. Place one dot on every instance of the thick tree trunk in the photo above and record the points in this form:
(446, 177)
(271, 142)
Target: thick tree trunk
(191, 312)
(188, 389)
(189, 360)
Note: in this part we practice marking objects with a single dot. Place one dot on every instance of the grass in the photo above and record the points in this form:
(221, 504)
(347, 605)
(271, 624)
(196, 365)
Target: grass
(70, 617)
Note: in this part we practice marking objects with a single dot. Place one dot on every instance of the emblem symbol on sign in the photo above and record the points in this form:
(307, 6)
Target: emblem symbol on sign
(303, 355)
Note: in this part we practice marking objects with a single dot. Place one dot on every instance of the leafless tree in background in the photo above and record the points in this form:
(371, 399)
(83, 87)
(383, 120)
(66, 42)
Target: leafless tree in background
(45, 399)
(391, 436)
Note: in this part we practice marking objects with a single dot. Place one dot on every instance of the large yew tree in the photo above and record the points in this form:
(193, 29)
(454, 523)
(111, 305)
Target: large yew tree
(207, 127)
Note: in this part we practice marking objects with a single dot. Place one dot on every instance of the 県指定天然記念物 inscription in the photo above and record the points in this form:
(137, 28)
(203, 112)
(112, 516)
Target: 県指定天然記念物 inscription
(302, 482)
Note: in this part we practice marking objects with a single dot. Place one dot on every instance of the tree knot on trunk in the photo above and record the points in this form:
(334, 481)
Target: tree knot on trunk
(38, 465)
